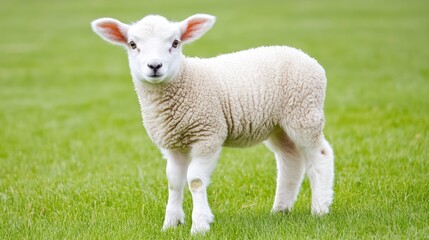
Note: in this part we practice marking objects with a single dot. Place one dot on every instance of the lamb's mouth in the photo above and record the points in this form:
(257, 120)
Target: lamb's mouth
(155, 78)
(155, 75)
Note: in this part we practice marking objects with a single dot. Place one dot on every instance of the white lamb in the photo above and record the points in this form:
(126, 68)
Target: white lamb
(192, 107)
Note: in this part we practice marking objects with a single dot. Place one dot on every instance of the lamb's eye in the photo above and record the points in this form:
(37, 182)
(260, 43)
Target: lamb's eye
(133, 45)
(175, 43)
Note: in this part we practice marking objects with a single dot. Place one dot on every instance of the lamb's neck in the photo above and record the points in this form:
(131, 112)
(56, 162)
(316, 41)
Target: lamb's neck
(149, 93)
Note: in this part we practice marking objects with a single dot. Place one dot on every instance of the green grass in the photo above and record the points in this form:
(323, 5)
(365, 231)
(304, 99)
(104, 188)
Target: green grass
(76, 163)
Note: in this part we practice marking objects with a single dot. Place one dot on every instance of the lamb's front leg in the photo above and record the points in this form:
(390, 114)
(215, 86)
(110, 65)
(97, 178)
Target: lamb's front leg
(177, 166)
(199, 172)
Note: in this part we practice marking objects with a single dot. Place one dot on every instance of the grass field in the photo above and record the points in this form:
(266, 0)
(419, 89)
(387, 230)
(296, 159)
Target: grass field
(76, 162)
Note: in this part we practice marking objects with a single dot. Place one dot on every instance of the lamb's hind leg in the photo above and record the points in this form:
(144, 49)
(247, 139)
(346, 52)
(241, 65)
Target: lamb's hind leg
(320, 170)
(290, 170)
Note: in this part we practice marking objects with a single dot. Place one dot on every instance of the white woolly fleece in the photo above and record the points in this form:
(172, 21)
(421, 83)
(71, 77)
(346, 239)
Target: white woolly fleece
(236, 100)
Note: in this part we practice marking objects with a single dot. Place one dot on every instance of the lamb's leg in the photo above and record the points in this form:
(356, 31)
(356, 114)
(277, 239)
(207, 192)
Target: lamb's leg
(199, 172)
(177, 166)
(290, 171)
(320, 170)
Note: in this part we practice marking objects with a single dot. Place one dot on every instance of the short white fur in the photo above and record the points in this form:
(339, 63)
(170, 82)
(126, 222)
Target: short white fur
(192, 107)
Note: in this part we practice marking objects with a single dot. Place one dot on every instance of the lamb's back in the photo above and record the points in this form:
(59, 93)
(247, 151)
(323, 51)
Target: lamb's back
(261, 87)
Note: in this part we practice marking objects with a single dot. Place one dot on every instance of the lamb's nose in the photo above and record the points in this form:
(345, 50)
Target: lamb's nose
(155, 66)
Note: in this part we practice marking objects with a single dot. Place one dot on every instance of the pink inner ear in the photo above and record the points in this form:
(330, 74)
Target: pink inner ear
(113, 31)
(192, 27)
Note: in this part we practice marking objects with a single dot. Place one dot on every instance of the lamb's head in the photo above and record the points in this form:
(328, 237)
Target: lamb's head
(154, 44)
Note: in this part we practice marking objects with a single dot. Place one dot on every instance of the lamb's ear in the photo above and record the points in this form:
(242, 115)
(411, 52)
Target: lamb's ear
(111, 30)
(195, 26)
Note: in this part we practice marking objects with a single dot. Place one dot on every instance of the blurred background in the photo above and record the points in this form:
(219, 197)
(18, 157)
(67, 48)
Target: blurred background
(75, 160)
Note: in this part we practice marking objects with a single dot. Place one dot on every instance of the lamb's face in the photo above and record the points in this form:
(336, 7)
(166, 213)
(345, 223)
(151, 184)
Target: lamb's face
(154, 49)
(154, 44)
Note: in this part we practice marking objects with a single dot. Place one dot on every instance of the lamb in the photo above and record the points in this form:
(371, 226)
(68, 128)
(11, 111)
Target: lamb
(192, 107)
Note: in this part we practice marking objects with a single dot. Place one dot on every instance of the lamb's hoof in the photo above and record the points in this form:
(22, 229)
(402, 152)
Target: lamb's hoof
(173, 219)
(319, 210)
(200, 228)
(281, 209)
(201, 224)
(320, 205)
(284, 211)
